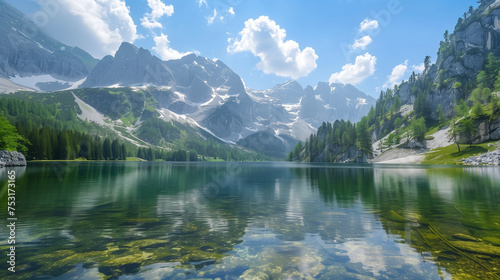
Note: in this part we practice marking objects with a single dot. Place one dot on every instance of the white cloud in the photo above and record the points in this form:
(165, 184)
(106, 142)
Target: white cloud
(418, 68)
(97, 26)
(231, 11)
(368, 25)
(211, 19)
(158, 10)
(201, 2)
(396, 76)
(363, 67)
(163, 49)
(362, 43)
(265, 39)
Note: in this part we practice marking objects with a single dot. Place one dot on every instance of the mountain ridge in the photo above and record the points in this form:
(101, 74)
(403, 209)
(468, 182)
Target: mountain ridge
(196, 90)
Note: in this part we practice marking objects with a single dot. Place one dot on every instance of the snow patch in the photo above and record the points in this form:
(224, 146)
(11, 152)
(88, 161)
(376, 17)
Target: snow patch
(31, 81)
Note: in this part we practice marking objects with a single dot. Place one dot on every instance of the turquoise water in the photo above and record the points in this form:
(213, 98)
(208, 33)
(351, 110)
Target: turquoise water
(140, 220)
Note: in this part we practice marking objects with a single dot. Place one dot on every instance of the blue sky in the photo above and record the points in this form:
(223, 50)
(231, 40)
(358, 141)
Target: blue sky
(265, 42)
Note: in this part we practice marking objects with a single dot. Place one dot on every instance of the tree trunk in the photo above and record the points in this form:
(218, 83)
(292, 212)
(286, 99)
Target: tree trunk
(458, 145)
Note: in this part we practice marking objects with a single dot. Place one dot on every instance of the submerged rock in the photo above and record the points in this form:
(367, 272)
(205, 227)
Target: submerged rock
(464, 237)
(492, 240)
(477, 247)
(395, 217)
(12, 158)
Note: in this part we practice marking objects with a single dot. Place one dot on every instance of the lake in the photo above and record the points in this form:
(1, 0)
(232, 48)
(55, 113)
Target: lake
(159, 220)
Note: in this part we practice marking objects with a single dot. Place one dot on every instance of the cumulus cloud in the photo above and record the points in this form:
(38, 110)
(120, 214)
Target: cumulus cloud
(396, 76)
(363, 67)
(418, 68)
(266, 40)
(362, 43)
(211, 19)
(202, 2)
(231, 11)
(97, 26)
(158, 10)
(368, 25)
(163, 49)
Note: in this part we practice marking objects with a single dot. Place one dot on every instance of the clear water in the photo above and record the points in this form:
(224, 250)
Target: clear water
(127, 220)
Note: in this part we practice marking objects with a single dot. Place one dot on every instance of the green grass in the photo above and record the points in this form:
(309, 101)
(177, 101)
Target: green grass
(129, 120)
(214, 160)
(134, 159)
(451, 155)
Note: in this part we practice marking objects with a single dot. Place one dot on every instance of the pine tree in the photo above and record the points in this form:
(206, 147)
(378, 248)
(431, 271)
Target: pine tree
(363, 136)
(115, 150)
(440, 113)
(427, 63)
(106, 150)
(123, 152)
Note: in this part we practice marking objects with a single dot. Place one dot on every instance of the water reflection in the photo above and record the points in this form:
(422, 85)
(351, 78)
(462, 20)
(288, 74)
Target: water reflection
(257, 221)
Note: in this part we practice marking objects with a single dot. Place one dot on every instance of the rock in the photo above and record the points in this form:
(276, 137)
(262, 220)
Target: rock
(474, 34)
(26, 51)
(119, 265)
(477, 247)
(492, 240)
(464, 237)
(492, 158)
(395, 217)
(12, 158)
(495, 129)
(129, 66)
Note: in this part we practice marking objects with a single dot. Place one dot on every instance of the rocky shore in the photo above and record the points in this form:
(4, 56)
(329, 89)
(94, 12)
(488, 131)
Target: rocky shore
(12, 158)
(492, 158)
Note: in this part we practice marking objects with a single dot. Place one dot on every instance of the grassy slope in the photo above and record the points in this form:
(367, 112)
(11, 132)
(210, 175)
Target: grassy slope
(450, 154)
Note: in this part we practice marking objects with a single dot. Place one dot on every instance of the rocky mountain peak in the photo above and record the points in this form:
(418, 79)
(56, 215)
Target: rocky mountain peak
(127, 50)
(25, 50)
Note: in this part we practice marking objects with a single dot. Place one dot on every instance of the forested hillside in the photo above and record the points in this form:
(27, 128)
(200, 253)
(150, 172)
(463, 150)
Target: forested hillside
(46, 126)
(459, 93)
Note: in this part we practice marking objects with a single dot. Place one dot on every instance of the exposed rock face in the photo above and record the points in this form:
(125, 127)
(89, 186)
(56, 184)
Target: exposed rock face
(267, 143)
(26, 51)
(129, 66)
(495, 129)
(486, 131)
(8, 158)
(461, 59)
(341, 154)
(330, 102)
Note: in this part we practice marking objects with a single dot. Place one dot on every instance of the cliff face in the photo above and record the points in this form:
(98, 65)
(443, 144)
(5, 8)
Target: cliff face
(460, 58)
(464, 56)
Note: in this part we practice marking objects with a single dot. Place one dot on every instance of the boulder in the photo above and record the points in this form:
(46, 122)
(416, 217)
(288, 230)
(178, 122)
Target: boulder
(12, 158)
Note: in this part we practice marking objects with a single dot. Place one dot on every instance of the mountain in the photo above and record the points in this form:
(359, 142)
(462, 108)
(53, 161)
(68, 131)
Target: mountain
(454, 101)
(129, 66)
(208, 94)
(470, 52)
(30, 57)
(202, 93)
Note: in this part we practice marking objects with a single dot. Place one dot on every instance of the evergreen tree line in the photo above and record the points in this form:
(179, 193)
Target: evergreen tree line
(52, 131)
(33, 113)
(51, 144)
(333, 139)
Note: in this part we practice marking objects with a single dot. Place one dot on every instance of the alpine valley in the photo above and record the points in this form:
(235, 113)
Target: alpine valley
(146, 102)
